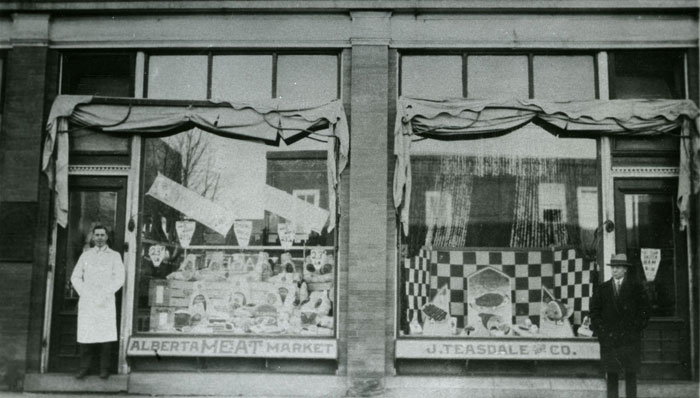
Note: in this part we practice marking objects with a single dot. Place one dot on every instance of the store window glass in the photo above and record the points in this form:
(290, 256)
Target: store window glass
(431, 76)
(307, 77)
(234, 235)
(497, 76)
(241, 77)
(564, 78)
(647, 74)
(501, 237)
(177, 77)
(103, 74)
(234, 238)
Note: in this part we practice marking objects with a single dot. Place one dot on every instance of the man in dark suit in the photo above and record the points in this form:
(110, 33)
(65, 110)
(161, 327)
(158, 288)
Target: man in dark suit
(620, 311)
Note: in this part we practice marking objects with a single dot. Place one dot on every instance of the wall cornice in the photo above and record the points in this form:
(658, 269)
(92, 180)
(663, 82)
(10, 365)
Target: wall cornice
(344, 5)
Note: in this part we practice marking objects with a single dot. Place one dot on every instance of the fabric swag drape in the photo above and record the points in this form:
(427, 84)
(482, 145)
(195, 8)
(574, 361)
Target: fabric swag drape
(465, 119)
(268, 122)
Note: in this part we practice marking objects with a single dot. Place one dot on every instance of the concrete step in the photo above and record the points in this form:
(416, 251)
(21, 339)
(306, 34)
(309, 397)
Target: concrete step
(62, 382)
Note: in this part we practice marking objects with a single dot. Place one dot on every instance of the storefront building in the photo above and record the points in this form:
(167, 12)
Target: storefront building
(342, 199)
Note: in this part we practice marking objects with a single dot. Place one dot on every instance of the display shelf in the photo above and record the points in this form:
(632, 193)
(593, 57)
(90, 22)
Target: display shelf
(228, 247)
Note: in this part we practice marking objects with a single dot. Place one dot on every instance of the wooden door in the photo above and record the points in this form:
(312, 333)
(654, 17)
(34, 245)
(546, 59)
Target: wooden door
(92, 201)
(646, 217)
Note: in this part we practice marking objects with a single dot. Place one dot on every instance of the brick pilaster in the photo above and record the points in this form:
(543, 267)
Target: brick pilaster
(20, 144)
(368, 308)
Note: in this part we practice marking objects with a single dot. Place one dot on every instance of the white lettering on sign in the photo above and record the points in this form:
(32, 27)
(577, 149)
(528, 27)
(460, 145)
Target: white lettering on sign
(232, 347)
(498, 349)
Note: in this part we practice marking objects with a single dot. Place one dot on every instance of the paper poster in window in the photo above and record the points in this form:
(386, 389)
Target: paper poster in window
(651, 258)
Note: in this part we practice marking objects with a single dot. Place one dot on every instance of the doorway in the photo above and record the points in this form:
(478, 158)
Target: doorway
(91, 201)
(647, 228)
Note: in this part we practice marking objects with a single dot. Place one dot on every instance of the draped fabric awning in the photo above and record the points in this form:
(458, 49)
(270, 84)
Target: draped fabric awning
(461, 118)
(267, 122)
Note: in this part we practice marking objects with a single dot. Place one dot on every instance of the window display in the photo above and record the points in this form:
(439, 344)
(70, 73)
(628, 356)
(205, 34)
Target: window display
(501, 236)
(234, 238)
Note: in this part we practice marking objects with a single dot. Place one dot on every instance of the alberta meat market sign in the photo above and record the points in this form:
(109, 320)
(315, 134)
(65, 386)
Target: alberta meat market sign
(232, 347)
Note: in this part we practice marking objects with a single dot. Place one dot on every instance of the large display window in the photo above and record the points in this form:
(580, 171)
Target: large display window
(499, 221)
(235, 238)
(501, 236)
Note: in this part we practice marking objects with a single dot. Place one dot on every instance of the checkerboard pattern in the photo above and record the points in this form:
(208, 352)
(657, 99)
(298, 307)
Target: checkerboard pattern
(530, 271)
(417, 271)
(572, 282)
(563, 271)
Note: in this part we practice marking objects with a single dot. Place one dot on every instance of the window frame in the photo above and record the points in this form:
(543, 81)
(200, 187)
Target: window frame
(465, 53)
(274, 53)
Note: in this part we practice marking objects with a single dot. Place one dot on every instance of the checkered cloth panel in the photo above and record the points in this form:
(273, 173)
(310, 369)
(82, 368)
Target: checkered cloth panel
(572, 282)
(417, 285)
(530, 270)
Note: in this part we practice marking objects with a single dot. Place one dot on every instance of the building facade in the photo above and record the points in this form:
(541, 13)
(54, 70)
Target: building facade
(211, 138)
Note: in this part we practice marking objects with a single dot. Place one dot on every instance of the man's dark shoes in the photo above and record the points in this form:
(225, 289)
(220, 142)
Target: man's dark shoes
(81, 375)
(104, 375)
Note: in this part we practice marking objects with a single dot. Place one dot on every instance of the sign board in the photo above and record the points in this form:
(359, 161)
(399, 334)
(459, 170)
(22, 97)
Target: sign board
(157, 254)
(191, 204)
(293, 209)
(505, 348)
(651, 258)
(185, 230)
(218, 346)
(286, 233)
(243, 229)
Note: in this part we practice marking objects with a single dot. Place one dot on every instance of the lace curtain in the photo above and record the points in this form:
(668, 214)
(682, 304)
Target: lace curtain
(538, 220)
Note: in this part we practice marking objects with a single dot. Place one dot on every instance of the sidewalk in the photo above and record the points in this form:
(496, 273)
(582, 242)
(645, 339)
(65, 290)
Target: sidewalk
(281, 386)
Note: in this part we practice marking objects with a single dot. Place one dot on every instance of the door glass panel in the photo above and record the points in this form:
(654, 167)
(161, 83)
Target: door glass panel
(649, 225)
(87, 209)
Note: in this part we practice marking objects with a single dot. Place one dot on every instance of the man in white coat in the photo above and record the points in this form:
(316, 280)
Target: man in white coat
(97, 276)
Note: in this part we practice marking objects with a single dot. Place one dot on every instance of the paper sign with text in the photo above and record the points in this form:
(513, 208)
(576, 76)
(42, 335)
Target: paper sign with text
(651, 258)
(286, 233)
(157, 254)
(191, 204)
(243, 229)
(298, 211)
(185, 230)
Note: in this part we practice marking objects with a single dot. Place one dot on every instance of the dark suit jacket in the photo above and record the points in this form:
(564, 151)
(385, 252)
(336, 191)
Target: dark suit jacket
(618, 322)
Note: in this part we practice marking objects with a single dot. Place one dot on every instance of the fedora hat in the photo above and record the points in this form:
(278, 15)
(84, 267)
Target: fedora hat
(619, 260)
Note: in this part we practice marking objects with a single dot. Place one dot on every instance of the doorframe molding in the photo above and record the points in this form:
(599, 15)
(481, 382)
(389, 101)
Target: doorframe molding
(606, 203)
(109, 170)
(82, 171)
(644, 172)
(132, 216)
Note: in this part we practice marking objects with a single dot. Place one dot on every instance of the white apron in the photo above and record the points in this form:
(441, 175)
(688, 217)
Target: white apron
(98, 274)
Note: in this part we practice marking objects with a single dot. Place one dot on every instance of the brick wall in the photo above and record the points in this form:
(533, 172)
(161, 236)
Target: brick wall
(14, 314)
(20, 144)
(22, 123)
(367, 267)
